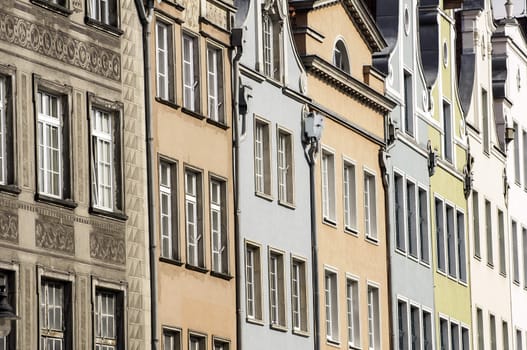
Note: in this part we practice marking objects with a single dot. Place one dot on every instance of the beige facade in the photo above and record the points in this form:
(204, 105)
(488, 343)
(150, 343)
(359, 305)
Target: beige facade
(192, 132)
(352, 267)
(73, 188)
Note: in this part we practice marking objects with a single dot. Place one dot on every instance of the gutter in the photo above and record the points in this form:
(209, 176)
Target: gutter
(145, 16)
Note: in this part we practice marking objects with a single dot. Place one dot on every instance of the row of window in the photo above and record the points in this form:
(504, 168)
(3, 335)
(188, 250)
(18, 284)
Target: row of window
(172, 340)
(352, 311)
(453, 335)
(55, 315)
(277, 288)
(105, 12)
(414, 325)
(54, 144)
(520, 156)
(350, 198)
(451, 245)
(519, 252)
(165, 76)
(485, 340)
(489, 228)
(193, 217)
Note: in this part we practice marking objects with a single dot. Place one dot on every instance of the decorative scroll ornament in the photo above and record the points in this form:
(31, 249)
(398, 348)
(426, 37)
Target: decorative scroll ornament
(51, 234)
(432, 158)
(107, 247)
(505, 187)
(468, 175)
(8, 226)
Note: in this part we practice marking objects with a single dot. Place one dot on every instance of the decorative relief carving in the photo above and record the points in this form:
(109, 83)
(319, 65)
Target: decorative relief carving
(8, 226)
(217, 15)
(60, 46)
(76, 5)
(51, 233)
(191, 13)
(107, 247)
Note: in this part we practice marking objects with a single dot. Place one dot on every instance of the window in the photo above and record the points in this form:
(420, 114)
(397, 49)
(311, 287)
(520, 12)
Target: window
(465, 338)
(461, 254)
(7, 278)
(516, 153)
(423, 225)
(218, 227)
(299, 295)
(370, 210)
(106, 165)
(443, 334)
(6, 129)
(108, 320)
(53, 315)
(332, 318)
(104, 11)
(415, 328)
(276, 289)
(194, 218)
(492, 325)
(197, 342)
(352, 307)
(524, 250)
(454, 336)
(515, 262)
(402, 321)
(253, 282)
(448, 151)
(399, 212)
(524, 143)
(340, 57)
(408, 104)
(285, 167)
(440, 235)
(411, 215)
(519, 342)
(427, 331)
(215, 84)
(168, 210)
(481, 334)
(485, 121)
(475, 223)
(271, 43)
(328, 186)
(190, 73)
(164, 61)
(374, 325)
(488, 228)
(501, 241)
(220, 344)
(171, 339)
(350, 197)
(262, 158)
(505, 335)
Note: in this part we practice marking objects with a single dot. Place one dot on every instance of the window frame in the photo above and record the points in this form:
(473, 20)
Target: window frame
(281, 321)
(272, 46)
(369, 182)
(333, 320)
(120, 291)
(170, 61)
(219, 82)
(403, 324)
(409, 120)
(266, 158)
(8, 136)
(197, 335)
(303, 297)
(448, 145)
(224, 228)
(198, 200)
(9, 274)
(257, 313)
(100, 23)
(194, 105)
(287, 181)
(171, 331)
(353, 282)
(375, 318)
(344, 64)
(424, 229)
(173, 193)
(328, 180)
(221, 341)
(351, 218)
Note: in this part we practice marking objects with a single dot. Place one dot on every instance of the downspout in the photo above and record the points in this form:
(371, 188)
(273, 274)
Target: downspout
(145, 16)
(236, 46)
(311, 155)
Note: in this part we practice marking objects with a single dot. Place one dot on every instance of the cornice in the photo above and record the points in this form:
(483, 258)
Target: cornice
(348, 84)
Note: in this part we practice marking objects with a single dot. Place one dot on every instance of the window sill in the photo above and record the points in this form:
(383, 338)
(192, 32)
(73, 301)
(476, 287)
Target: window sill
(334, 343)
(301, 333)
(425, 263)
(413, 257)
(400, 251)
(351, 231)
(278, 327)
(517, 283)
(221, 275)
(192, 113)
(66, 203)
(110, 29)
(372, 240)
(11, 189)
(61, 10)
(196, 268)
(171, 261)
(273, 81)
(220, 125)
(264, 196)
(477, 257)
(329, 222)
(255, 321)
(503, 274)
(442, 273)
(174, 4)
(110, 214)
(286, 204)
(490, 265)
(354, 347)
(167, 103)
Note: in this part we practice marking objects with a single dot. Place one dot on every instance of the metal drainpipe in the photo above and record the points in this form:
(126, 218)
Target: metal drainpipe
(236, 41)
(145, 16)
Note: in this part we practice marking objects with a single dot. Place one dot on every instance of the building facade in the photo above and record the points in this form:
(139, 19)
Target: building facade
(73, 184)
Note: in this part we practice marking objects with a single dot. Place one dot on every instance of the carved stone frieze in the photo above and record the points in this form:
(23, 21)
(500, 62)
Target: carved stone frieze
(76, 5)
(8, 226)
(51, 233)
(191, 13)
(217, 15)
(60, 46)
(107, 247)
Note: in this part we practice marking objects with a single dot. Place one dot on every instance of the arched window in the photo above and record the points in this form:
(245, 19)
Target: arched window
(272, 21)
(340, 57)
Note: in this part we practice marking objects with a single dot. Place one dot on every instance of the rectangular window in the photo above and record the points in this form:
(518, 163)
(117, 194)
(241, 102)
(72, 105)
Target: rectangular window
(218, 226)
(479, 325)
(423, 226)
(171, 339)
(268, 45)
(454, 336)
(415, 328)
(402, 321)
(350, 197)
(194, 218)
(451, 241)
(461, 246)
(108, 319)
(328, 186)
(408, 104)
(400, 236)
(465, 339)
(427, 331)
(492, 325)
(370, 206)
(374, 325)
(440, 235)
(253, 282)
(285, 167)
(516, 153)
(299, 295)
(519, 340)
(168, 210)
(104, 11)
(276, 289)
(475, 223)
(505, 335)
(262, 159)
(485, 120)
(164, 61)
(7, 279)
(443, 334)
(352, 305)
(515, 262)
(501, 241)
(190, 73)
(55, 315)
(6, 132)
(411, 216)
(448, 145)
(488, 228)
(332, 323)
(524, 251)
(524, 143)
(220, 344)
(197, 342)
(215, 84)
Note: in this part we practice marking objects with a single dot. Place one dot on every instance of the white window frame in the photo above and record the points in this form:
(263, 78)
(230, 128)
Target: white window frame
(168, 191)
(118, 290)
(162, 79)
(328, 186)
(262, 157)
(277, 317)
(349, 189)
(215, 103)
(402, 323)
(194, 229)
(219, 243)
(332, 307)
(370, 205)
(353, 311)
(253, 283)
(102, 137)
(190, 60)
(285, 166)
(423, 224)
(97, 12)
(299, 298)
(52, 335)
(268, 45)
(197, 341)
(172, 336)
(374, 317)
(399, 203)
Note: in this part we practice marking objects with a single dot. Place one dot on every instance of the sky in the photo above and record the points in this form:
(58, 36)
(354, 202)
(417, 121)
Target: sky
(499, 8)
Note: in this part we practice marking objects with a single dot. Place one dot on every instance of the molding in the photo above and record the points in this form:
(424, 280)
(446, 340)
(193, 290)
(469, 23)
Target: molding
(55, 234)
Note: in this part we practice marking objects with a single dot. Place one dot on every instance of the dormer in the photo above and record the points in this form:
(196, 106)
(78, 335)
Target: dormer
(272, 19)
